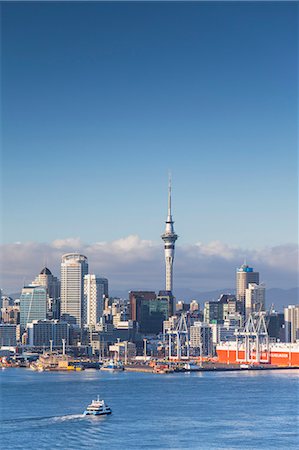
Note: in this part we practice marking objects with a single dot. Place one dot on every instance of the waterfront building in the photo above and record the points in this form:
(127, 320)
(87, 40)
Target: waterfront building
(169, 237)
(73, 269)
(291, 319)
(94, 293)
(52, 284)
(254, 298)
(244, 276)
(8, 335)
(123, 350)
(33, 304)
(41, 332)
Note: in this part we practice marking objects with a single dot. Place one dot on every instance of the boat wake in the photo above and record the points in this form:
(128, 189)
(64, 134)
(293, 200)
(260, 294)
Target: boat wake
(44, 419)
(68, 417)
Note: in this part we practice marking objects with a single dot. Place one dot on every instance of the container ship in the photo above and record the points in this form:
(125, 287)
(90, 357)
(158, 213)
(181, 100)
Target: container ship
(278, 354)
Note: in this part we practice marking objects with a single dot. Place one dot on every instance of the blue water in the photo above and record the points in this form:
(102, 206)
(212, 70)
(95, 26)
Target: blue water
(247, 410)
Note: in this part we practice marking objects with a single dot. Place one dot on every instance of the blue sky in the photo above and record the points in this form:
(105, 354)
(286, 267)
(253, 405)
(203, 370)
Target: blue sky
(101, 100)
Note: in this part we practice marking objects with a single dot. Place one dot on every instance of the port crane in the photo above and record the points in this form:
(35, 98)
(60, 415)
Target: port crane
(254, 338)
(178, 339)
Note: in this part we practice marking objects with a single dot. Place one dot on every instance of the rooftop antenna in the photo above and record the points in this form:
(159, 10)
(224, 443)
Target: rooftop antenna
(169, 193)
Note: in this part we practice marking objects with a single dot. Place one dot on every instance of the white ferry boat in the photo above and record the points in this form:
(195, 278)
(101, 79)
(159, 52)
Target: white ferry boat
(97, 408)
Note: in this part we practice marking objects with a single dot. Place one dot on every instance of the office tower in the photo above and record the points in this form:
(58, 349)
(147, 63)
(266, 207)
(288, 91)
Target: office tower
(245, 275)
(41, 332)
(73, 269)
(169, 237)
(148, 310)
(167, 296)
(213, 312)
(136, 298)
(8, 335)
(194, 306)
(254, 298)
(52, 284)
(276, 326)
(104, 283)
(201, 339)
(94, 293)
(33, 304)
(291, 320)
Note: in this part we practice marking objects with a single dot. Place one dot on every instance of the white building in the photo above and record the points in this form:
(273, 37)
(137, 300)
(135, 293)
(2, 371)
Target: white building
(244, 276)
(291, 319)
(94, 292)
(254, 298)
(73, 269)
(201, 338)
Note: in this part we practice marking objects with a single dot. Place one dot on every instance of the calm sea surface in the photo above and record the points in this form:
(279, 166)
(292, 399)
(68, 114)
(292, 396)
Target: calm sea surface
(247, 410)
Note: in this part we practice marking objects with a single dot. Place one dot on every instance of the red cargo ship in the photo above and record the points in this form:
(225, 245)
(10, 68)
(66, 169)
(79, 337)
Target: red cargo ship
(280, 354)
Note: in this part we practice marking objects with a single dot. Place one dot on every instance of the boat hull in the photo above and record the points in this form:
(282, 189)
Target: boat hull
(96, 413)
(280, 354)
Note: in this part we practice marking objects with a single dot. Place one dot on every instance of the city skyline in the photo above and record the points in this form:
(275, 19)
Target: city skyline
(95, 114)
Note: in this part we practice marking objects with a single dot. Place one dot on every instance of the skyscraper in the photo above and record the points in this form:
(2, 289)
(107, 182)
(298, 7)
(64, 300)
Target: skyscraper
(169, 237)
(52, 284)
(95, 289)
(291, 319)
(73, 269)
(245, 275)
(254, 298)
(33, 304)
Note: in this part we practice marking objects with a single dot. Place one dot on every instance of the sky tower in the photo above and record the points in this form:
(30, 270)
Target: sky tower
(169, 237)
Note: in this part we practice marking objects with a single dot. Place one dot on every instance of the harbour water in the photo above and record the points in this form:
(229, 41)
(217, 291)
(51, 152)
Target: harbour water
(235, 410)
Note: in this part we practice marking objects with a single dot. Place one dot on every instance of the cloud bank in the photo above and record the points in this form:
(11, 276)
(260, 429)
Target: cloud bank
(133, 263)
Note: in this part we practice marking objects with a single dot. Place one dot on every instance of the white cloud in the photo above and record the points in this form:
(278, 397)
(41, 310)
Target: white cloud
(133, 263)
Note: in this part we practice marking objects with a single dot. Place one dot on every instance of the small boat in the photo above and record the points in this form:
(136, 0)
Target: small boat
(191, 367)
(97, 408)
(113, 366)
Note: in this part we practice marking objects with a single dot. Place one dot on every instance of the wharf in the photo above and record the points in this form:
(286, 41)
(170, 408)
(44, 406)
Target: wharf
(139, 368)
(207, 368)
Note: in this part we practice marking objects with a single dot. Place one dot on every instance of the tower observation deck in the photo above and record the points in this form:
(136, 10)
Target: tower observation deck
(169, 237)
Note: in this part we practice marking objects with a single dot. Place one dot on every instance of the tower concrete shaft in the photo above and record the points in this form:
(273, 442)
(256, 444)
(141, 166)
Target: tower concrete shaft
(169, 237)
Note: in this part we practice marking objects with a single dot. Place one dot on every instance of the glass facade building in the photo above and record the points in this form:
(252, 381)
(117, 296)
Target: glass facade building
(33, 304)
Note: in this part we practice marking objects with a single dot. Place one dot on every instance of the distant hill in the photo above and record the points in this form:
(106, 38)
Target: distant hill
(279, 297)
(276, 296)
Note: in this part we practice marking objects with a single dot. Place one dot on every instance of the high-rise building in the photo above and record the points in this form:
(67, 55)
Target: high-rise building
(73, 269)
(45, 278)
(169, 237)
(33, 304)
(291, 320)
(201, 338)
(136, 298)
(95, 289)
(41, 332)
(8, 335)
(213, 312)
(244, 276)
(254, 298)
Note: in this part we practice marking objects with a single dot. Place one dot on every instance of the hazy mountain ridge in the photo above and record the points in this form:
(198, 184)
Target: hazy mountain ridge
(276, 296)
